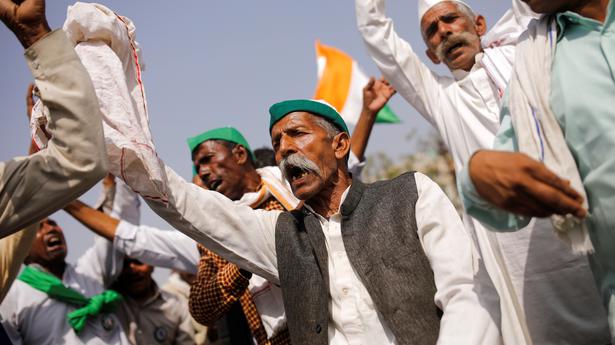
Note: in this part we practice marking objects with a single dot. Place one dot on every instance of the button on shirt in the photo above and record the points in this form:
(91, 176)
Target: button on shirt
(355, 320)
(246, 237)
(582, 99)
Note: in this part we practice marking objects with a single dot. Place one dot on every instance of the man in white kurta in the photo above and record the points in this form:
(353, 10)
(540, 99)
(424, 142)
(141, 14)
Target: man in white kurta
(547, 295)
(32, 317)
(246, 237)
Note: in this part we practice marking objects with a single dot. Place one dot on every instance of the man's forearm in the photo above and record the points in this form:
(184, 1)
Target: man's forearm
(397, 61)
(360, 136)
(75, 158)
(94, 220)
(239, 234)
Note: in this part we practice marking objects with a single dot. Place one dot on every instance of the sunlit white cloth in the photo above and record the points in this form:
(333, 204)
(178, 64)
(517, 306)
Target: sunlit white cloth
(105, 43)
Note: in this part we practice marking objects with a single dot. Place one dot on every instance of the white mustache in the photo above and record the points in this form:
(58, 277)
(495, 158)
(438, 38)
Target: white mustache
(297, 160)
(464, 37)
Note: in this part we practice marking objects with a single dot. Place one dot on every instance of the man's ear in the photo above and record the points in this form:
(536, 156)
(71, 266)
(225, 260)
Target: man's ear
(480, 25)
(240, 154)
(341, 145)
(432, 56)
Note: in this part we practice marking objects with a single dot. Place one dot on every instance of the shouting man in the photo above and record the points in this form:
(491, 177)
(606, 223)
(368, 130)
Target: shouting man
(523, 267)
(356, 263)
(558, 117)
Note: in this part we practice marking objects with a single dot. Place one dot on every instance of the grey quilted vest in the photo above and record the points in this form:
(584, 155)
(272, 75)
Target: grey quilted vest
(380, 236)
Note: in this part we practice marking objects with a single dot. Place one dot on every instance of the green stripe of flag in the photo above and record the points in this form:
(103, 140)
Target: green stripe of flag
(386, 115)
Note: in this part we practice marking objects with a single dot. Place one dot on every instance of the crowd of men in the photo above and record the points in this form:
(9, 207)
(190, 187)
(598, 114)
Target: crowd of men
(288, 246)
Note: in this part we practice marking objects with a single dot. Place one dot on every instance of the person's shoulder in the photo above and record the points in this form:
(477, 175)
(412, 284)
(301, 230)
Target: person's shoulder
(401, 179)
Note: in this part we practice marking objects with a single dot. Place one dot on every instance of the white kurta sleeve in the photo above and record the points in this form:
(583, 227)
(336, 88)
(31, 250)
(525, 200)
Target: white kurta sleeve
(399, 64)
(449, 250)
(239, 234)
(161, 248)
(101, 262)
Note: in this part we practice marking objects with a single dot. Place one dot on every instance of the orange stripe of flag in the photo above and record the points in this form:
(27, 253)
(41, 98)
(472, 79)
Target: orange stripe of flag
(334, 83)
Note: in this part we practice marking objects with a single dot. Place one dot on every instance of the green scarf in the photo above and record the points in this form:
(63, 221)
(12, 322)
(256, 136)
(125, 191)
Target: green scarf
(54, 287)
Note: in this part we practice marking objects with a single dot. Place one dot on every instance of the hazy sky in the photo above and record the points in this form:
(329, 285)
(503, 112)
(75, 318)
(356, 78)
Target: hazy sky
(219, 63)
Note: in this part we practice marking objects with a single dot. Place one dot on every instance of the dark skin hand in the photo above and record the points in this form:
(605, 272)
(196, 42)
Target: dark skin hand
(376, 94)
(26, 19)
(519, 184)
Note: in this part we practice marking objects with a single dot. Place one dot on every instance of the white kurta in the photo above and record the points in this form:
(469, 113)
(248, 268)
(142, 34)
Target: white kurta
(32, 317)
(172, 249)
(526, 267)
(246, 237)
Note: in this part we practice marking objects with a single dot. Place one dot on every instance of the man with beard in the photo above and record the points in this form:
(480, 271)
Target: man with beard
(55, 302)
(523, 267)
(356, 263)
(148, 314)
(75, 157)
(558, 118)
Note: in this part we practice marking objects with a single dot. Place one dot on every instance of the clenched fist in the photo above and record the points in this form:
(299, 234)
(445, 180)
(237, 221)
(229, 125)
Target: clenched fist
(26, 18)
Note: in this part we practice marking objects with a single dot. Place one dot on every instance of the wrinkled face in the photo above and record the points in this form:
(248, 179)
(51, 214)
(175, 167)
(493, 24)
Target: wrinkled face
(451, 36)
(221, 168)
(307, 155)
(553, 6)
(135, 278)
(49, 246)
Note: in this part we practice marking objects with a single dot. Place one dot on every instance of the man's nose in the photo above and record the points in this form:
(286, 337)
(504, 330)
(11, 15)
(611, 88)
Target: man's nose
(285, 149)
(444, 30)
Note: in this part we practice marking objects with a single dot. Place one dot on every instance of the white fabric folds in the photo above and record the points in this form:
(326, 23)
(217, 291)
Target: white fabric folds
(105, 43)
(538, 132)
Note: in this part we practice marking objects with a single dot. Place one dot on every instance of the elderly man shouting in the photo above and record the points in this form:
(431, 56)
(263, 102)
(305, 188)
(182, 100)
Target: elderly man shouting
(356, 263)
(526, 266)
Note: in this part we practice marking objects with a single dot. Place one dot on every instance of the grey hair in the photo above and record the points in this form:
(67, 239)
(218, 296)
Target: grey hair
(330, 128)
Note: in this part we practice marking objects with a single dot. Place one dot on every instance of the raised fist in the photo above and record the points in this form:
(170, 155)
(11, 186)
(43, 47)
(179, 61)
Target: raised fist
(26, 18)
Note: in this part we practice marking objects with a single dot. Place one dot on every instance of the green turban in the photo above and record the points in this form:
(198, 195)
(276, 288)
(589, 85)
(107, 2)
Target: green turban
(229, 134)
(322, 109)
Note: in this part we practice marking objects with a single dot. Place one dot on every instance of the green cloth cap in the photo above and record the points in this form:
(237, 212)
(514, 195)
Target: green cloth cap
(229, 134)
(322, 109)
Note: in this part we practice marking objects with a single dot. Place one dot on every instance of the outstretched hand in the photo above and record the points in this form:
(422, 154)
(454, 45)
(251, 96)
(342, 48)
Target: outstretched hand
(26, 18)
(519, 184)
(376, 94)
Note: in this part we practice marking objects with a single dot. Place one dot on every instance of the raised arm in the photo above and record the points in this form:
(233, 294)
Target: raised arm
(161, 248)
(102, 224)
(398, 63)
(35, 186)
(376, 94)
(239, 234)
(448, 247)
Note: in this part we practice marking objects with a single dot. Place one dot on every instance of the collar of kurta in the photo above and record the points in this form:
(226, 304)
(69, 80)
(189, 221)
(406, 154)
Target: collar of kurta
(349, 200)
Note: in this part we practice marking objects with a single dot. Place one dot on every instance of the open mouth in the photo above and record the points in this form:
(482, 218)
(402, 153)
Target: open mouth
(451, 50)
(215, 184)
(296, 173)
(54, 242)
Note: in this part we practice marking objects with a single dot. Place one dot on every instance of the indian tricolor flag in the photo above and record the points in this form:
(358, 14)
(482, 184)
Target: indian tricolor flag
(341, 83)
